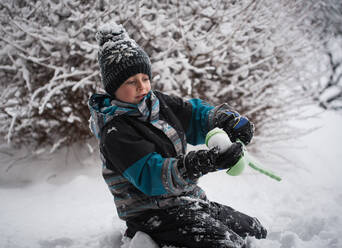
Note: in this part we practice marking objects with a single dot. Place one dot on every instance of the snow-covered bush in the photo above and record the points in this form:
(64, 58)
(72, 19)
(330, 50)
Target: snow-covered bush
(329, 17)
(48, 69)
(245, 53)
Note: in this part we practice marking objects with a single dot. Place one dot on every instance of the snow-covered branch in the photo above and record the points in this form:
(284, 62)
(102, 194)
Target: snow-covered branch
(242, 52)
(50, 60)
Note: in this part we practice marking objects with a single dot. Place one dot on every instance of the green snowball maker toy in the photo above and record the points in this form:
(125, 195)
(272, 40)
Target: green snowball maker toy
(218, 138)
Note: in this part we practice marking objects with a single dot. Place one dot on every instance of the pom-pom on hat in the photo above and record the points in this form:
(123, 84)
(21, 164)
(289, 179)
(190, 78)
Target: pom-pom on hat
(119, 56)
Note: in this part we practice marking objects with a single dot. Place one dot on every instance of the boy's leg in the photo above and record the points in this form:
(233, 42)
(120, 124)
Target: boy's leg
(240, 223)
(188, 226)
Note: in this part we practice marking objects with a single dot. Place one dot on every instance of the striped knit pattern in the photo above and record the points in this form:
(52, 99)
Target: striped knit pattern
(131, 202)
(170, 172)
(171, 133)
(128, 200)
(164, 126)
(151, 114)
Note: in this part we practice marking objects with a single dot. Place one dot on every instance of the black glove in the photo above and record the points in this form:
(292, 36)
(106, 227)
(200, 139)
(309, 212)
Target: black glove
(199, 163)
(236, 126)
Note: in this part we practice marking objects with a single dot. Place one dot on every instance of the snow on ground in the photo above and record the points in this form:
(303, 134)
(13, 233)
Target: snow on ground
(62, 201)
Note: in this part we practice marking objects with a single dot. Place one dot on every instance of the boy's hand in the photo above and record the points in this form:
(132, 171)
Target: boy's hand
(236, 126)
(230, 157)
(199, 163)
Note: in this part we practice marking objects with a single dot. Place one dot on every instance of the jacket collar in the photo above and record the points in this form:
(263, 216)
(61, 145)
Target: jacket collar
(103, 108)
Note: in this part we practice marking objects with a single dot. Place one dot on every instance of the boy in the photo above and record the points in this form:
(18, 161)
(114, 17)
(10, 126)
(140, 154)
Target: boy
(143, 136)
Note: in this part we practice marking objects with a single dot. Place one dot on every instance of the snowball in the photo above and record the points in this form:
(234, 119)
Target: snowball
(219, 138)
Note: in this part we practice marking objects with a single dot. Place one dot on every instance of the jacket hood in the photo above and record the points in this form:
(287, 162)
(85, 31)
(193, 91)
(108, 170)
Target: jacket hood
(101, 112)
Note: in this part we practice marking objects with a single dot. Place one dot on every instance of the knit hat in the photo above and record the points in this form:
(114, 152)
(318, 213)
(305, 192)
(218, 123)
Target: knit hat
(119, 57)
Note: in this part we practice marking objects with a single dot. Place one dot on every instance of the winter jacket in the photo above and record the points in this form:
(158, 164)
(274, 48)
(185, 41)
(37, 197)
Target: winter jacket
(141, 145)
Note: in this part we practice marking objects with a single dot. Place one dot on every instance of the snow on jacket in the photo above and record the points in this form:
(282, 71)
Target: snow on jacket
(140, 146)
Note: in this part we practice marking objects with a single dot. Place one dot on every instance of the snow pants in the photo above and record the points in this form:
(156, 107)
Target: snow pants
(200, 224)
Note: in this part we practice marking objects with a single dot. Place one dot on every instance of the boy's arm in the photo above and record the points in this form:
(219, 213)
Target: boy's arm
(199, 117)
(200, 122)
(135, 158)
(195, 115)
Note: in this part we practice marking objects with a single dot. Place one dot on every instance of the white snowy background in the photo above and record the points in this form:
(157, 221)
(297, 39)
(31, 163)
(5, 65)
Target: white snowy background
(48, 63)
(62, 201)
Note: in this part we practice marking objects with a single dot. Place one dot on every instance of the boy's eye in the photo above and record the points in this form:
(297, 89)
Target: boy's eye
(131, 82)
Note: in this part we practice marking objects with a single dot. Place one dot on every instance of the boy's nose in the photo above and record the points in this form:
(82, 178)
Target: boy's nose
(140, 85)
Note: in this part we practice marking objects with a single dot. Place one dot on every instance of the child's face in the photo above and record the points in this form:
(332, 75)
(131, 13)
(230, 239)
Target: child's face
(134, 89)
